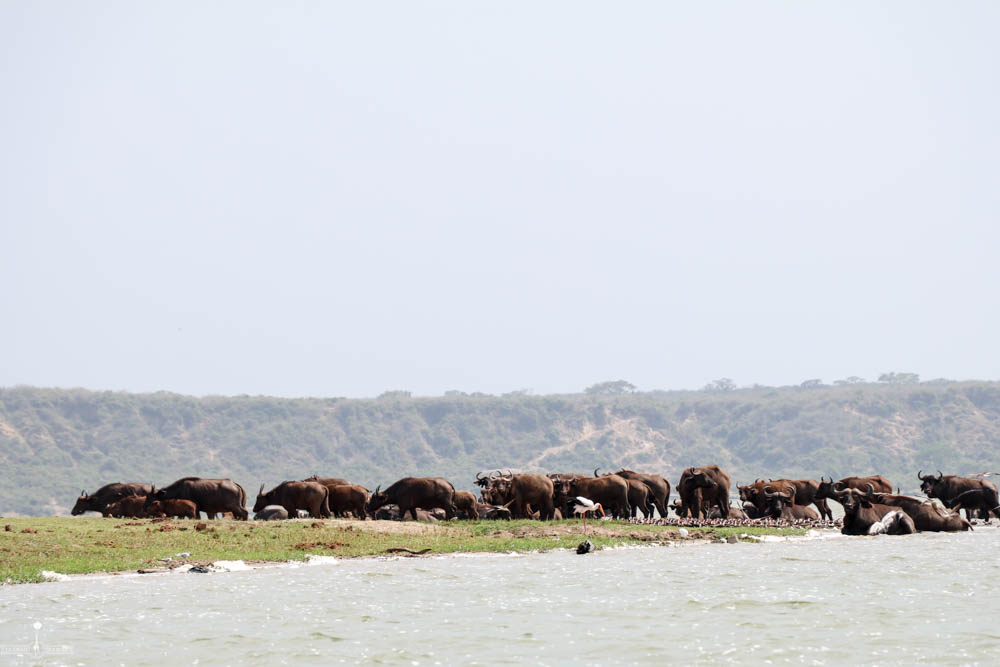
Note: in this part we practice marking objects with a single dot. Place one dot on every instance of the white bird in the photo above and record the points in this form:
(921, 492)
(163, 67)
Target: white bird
(166, 560)
(184, 554)
(586, 505)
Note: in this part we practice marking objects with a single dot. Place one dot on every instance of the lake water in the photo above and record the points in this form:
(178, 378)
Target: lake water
(928, 598)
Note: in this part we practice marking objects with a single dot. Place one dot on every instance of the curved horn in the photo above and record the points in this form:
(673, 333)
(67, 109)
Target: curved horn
(767, 491)
(920, 475)
(494, 475)
(940, 475)
(871, 488)
(83, 492)
(595, 472)
(479, 476)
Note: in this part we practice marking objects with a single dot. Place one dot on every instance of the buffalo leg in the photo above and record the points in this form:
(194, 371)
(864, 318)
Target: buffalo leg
(824, 509)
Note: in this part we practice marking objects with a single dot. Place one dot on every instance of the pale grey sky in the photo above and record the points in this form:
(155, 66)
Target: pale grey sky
(336, 199)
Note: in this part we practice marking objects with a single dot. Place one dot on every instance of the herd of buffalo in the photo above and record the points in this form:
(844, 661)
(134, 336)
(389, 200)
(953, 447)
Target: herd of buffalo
(703, 492)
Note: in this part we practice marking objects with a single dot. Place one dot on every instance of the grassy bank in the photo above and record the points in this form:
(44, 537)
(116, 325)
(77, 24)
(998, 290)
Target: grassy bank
(85, 545)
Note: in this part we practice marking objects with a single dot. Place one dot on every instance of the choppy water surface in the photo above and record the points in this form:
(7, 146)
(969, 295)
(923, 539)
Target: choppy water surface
(886, 600)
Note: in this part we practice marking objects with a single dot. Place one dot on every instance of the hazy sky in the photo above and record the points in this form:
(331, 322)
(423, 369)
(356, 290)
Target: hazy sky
(336, 199)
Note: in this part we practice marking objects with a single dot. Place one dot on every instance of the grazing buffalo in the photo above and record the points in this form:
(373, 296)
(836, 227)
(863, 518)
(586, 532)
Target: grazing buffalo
(970, 492)
(927, 515)
(781, 505)
(312, 497)
(830, 489)
(271, 513)
(701, 486)
(346, 498)
(129, 507)
(465, 501)
(108, 494)
(210, 496)
(410, 493)
(860, 513)
(611, 491)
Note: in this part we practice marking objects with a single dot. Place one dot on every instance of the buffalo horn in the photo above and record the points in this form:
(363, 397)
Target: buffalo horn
(377, 488)
(919, 475)
(261, 492)
(595, 472)
(767, 491)
(83, 492)
(871, 488)
(838, 486)
(940, 475)
(479, 476)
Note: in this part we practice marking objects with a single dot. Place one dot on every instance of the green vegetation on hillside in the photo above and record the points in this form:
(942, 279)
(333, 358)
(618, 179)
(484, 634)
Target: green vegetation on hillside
(55, 442)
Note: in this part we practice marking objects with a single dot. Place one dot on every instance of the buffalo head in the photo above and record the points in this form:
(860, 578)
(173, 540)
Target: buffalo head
(702, 480)
(929, 484)
(152, 497)
(263, 500)
(776, 500)
(852, 500)
(377, 500)
(83, 503)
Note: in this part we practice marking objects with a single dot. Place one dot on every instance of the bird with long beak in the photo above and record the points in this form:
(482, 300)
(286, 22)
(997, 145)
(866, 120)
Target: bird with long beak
(585, 506)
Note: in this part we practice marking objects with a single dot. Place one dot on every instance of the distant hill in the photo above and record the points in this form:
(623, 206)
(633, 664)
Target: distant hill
(55, 442)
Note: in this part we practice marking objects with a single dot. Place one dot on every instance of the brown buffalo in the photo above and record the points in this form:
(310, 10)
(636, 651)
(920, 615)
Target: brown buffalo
(108, 494)
(659, 488)
(611, 491)
(704, 486)
(927, 515)
(211, 496)
(781, 504)
(185, 509)
(327, 481)
(129, 507)
(805, 494)
(465, 501)
(410, 493)
(348, 498)
(294, 496)
(829, 489)
(860, 513)
(524, 493)
(971, 493)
